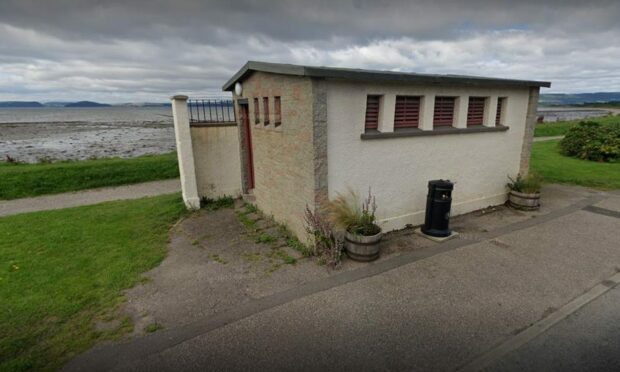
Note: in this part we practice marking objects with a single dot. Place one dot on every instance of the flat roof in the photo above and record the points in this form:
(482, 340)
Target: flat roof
(374, 76)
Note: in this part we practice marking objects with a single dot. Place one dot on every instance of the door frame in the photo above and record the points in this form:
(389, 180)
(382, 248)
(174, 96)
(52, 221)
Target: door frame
(244, 110)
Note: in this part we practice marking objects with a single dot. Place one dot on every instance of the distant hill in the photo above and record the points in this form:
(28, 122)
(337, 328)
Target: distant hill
(87, 104)
(559, 99)
(17, 104)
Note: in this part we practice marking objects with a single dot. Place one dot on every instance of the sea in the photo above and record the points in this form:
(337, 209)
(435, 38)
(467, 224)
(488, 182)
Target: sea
(51, 134)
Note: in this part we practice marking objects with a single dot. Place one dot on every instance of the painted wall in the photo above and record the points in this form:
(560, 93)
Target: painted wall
(398, 169)
(283, 156)
(216, 161)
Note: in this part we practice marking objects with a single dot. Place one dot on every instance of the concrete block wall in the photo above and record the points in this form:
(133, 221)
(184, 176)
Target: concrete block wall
(283, 155)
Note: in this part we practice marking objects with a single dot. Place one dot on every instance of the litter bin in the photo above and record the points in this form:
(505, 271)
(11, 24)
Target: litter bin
(438, 203)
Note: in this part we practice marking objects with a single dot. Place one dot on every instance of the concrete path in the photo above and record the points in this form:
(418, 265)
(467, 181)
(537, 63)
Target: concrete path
(587, 340)
(86, 197)
(438, 308)
(548, 138)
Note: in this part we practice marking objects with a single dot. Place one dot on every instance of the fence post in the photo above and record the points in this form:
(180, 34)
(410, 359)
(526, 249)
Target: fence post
(185, 152)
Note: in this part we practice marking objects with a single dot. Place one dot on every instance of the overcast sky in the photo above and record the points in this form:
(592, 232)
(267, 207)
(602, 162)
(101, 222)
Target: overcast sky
(147, 50)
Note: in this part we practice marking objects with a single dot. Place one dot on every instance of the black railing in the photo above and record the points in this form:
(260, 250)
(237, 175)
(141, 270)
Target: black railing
(211, 110)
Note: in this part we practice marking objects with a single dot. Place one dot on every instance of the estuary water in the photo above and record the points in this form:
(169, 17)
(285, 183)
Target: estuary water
(35, 134)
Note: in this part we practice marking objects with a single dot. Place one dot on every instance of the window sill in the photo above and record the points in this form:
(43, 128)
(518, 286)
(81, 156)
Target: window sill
(213, 125)
(416, 132)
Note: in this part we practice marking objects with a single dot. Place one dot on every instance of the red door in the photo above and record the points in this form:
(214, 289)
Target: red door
(245, 117)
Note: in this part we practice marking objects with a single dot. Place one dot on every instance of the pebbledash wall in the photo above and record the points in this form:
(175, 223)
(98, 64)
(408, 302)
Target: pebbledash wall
(283, 155)
(398, 169)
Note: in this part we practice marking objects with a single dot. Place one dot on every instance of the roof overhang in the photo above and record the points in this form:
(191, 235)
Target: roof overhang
(375, 76)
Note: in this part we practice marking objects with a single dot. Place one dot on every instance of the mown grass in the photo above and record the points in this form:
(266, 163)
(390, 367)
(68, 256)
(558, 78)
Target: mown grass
(559, 128)
(548, 162)
(24, 180)
(62, 270)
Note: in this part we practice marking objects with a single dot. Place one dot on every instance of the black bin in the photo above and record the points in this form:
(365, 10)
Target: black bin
(438, 203)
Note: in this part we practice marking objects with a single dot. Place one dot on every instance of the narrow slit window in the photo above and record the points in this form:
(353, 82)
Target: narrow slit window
(475, 111)
(501, 102)
(443, 115)
(407, 112)
(265, 110)
(277, 111)
(372, 112)
(256, 111)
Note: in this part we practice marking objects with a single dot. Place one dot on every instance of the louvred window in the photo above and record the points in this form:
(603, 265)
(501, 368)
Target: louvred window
(475, 111)
(407, 112)
(372, 112)
(498, 115)
(444, 111)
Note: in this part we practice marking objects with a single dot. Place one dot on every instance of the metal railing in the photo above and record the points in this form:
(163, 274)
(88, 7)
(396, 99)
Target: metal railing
(211, 110)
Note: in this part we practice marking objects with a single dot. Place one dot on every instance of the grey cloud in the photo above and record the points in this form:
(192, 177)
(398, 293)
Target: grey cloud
(147, 50)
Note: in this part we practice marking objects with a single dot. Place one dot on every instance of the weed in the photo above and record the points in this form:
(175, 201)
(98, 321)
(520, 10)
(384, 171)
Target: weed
(250, 208)
(218, 259)
(265, 238)
(153, 327)
(215, 204)
(195, 242)
(249, 223)
(252, 257)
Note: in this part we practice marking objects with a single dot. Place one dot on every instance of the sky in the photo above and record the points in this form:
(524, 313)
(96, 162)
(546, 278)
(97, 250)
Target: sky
(147, 50)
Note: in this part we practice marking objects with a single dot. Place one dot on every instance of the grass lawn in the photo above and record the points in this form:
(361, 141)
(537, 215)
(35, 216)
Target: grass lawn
(559, 128)
(23, 180)
(555, 167)
(62, 270)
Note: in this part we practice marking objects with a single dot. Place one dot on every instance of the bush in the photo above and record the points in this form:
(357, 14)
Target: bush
(529, 184)
(592, 141)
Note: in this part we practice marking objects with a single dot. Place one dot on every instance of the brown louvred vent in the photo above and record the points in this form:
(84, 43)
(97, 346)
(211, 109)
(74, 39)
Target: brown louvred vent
(372, 112)
(475, 111)
(444, 111)
(498, 115)
(407, 112)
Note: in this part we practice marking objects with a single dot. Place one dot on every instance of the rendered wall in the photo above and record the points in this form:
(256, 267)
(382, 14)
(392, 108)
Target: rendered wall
(284, 155)
(216, 160)
(398, 169)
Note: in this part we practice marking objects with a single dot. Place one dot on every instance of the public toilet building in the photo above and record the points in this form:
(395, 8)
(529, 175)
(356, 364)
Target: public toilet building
(301, 134)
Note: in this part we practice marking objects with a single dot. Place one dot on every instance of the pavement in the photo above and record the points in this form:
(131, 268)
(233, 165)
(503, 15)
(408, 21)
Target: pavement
(87, 197)
(514, 291)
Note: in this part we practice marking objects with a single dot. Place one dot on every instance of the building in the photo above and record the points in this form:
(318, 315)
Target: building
(306, 133)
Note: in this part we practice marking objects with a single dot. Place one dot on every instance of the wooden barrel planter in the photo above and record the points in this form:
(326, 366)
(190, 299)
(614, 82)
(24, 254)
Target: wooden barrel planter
(523, 201)
(362, 248)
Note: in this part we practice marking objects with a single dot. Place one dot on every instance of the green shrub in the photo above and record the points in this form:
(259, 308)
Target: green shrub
(529, 184)
(592, 141)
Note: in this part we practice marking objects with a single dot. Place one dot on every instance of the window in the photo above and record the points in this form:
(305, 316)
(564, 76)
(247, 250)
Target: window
(266, 110)
(501, 102)
(277, 111)
(256, 111)
(372, 112)
(407, 112)
(444, 111)
(475, 111)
